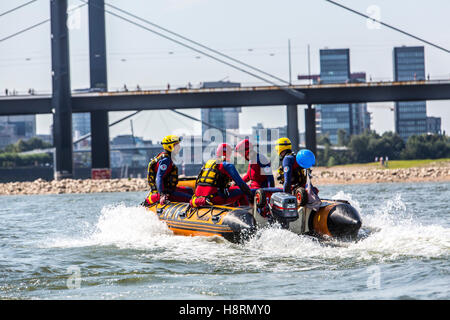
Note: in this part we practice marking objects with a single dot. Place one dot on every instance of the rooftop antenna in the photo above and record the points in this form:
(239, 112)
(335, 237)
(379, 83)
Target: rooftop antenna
(132, 132)
(290, 67)
(309, 65)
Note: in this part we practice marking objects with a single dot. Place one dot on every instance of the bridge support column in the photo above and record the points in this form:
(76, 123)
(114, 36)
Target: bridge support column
(310, 128)
(292, 126)
(98, 78)
(61, 92)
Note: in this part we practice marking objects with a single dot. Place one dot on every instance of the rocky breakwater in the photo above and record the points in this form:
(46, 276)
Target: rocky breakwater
(41, 186)
(321, 176)
(358, 175)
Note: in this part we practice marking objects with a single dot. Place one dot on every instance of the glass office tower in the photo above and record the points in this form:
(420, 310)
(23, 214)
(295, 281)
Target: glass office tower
(81, 123)
(330, 118)
(360, 116)
(410, 117)
(224, 118)
(334, 65)
(13, 128)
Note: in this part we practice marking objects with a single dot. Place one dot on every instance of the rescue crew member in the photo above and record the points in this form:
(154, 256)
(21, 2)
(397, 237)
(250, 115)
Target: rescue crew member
(290, 174)
(213, 182)
(259, 171)
(162, 175)
(306, 159)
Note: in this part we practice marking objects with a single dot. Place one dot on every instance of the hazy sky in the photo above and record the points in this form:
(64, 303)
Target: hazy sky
(254, 31)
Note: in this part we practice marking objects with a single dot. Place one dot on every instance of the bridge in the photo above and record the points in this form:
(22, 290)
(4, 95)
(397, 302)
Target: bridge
(254, 96)
(62, 102)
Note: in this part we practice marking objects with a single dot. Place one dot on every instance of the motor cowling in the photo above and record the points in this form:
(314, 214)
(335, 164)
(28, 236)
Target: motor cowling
(284, 208)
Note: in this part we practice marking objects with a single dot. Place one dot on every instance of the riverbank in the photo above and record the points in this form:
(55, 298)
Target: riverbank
(355, 175)
(352, 174)
(41, 186)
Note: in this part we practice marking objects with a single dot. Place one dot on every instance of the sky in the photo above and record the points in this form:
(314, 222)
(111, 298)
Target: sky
(254, 31)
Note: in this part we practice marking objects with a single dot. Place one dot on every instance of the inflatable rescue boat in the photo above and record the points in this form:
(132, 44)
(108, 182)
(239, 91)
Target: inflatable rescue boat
(334, 218)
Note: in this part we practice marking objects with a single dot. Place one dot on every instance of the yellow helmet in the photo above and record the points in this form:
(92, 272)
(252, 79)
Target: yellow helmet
(169, 142)
(283, 144)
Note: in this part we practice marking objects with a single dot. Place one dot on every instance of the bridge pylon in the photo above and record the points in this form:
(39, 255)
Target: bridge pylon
(98, 80)
(61, 92)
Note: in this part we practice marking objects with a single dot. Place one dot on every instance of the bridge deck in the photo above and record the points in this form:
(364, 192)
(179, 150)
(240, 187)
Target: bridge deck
(231, 97)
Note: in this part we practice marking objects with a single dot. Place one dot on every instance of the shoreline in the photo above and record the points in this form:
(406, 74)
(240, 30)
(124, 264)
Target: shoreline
(360, 175)
(320, 176)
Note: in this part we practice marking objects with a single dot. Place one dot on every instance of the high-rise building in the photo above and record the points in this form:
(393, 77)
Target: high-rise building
(353, 118)
(81, 124)
(268, 135)
(334, 65)
(410, 117)
(13, 128)
(223, 118)
(360, 116)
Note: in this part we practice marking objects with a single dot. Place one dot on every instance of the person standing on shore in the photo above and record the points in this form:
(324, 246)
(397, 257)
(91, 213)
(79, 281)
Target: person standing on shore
(162, 175)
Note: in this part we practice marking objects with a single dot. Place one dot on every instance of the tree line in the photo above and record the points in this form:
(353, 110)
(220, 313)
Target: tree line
(365, 147)
(361, 148)
(10, 156)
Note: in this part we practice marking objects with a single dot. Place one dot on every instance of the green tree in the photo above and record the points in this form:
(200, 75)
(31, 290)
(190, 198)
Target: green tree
(27, 145)
(8, 159)
(331, 162)
(361, 146)
(343, 137)
(323, 140)
(424, 146)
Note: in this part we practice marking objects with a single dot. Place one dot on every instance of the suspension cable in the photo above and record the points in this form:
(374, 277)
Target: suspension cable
(16, 8)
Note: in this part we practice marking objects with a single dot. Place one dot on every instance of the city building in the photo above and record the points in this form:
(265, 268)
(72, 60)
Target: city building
(224, 118)
(81, 125)
(269, 135)
(334, 65)
(410, 117)
(360, 116)
(131, 151)
(434, 125)
(330, 118)
(13, 128)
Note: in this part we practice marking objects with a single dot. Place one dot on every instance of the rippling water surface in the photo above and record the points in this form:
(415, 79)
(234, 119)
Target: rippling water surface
(103, 246)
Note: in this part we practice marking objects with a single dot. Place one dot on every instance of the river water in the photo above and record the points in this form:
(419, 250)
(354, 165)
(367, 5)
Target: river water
(103, 246)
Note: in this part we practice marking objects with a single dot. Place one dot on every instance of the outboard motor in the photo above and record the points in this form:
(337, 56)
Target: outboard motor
(284, 208)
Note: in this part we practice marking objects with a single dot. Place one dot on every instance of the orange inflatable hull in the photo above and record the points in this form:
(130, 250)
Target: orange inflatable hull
(233, 224)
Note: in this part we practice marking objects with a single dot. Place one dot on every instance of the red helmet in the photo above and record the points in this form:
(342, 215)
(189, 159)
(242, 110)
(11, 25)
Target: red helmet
(224, 150)
(244, 147)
